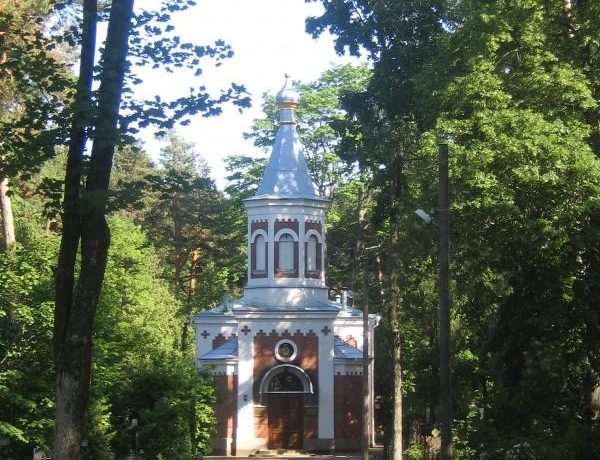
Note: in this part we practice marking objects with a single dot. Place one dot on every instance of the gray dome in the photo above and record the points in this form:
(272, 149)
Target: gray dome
(288, 95)
(286, 174)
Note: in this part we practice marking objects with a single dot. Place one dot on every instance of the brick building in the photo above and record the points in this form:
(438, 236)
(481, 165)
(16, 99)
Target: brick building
(287, 360)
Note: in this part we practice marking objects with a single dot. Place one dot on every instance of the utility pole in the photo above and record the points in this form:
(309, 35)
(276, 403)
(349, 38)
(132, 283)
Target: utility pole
(366, 421)
(444, 289)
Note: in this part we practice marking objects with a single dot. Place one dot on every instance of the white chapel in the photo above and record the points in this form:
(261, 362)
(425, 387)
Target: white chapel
(286, 360)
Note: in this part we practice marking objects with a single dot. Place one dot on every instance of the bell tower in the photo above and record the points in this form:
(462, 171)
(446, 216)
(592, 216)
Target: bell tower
(286, 223)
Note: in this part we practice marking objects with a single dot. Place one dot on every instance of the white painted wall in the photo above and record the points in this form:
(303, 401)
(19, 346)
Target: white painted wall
(245, 424)
(326, 393)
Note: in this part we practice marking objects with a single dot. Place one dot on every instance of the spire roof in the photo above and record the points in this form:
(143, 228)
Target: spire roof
(286, 174)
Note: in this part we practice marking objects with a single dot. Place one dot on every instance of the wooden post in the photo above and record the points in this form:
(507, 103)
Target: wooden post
(8, 224)
(365, 377)
(444, 289)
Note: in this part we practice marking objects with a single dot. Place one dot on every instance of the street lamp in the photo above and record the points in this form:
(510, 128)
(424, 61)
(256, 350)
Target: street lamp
(425, 217)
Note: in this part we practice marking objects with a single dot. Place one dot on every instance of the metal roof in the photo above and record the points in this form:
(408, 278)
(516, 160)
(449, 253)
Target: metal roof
(227, 350)
(286, 174)
(240, 305)
(342, 350)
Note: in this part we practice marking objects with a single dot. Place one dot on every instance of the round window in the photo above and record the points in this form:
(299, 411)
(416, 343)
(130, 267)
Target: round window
(286, 351)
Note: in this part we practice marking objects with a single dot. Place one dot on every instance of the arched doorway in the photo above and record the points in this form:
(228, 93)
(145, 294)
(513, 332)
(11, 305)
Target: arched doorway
(284, 387)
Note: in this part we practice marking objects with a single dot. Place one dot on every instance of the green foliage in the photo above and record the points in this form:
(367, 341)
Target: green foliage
(512, 87)
(138, 374)
(136, 335)
(172, 404)
(416, 452)
(34, 84)
(185, 221)
(245, 174)
(137, 310)
(26, 317)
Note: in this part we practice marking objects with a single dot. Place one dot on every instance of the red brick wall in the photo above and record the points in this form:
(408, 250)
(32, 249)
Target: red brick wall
(313, 226)
(261, 421)
(260, 225)
(225, 404)
(220, 339)
(348, 406)
(292, 224)
(311, 418)
(307, 359)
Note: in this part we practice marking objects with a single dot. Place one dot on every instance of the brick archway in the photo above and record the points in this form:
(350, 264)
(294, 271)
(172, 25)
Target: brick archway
(284, 387)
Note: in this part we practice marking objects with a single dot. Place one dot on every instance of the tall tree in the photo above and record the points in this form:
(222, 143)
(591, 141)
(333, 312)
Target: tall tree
(84, 222)
(400, 37)
(183, 222)
(76, 301)
(495, 78)
(27, 101)
(507, 111)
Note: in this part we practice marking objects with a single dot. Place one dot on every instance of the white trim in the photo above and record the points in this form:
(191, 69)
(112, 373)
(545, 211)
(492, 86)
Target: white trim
(312, 231)
(292, 233)
(257, 232)
(289, 358)
(326, 388)
(297, 371)
(260, 258)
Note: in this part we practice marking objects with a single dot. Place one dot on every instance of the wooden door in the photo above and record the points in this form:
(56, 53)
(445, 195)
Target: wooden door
(285, 412)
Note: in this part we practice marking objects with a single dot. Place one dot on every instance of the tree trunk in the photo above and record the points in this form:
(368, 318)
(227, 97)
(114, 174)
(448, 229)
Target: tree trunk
(358, 244)
(71, 396)
(8, 224)
(361, 260)
(71, 232)
(185, 331)
(73, 334)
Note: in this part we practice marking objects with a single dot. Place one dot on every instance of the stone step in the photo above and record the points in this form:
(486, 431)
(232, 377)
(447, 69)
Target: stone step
(272, 453)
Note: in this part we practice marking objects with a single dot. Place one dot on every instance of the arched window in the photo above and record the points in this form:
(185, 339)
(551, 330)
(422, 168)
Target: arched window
(259, 244)
(285, 378)
(311, 254)
(286, 252)
(284, 382)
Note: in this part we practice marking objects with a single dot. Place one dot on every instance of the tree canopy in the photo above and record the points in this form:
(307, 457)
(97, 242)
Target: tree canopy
(113, 248)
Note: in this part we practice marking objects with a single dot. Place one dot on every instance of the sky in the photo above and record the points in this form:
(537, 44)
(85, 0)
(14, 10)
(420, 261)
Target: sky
(269, 40)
